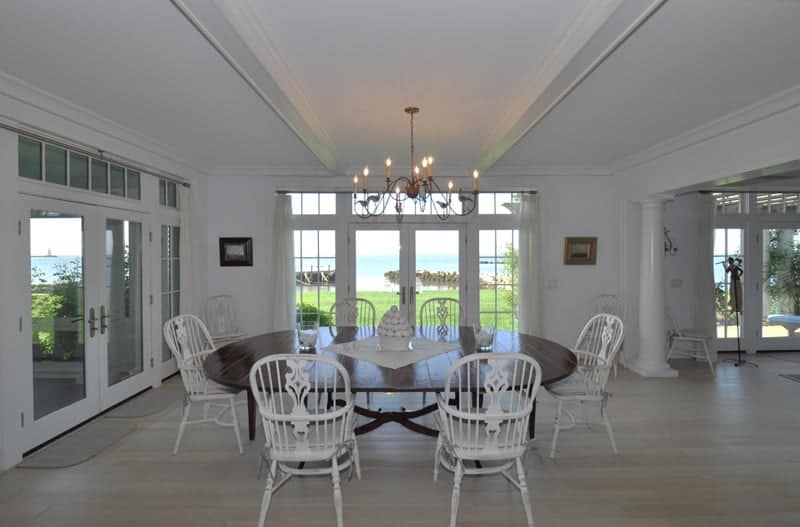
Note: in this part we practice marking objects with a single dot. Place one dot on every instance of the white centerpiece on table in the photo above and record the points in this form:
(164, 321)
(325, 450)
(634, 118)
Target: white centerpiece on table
(394, 331)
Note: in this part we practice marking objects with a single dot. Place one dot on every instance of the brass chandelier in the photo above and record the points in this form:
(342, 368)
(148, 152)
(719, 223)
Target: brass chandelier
(419, 188)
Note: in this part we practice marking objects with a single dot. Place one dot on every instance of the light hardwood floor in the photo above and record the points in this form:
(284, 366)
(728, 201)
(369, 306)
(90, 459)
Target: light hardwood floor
(694, 451)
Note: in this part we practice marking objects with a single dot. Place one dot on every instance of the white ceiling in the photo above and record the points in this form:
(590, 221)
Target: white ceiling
(333, 77)
(141, 64)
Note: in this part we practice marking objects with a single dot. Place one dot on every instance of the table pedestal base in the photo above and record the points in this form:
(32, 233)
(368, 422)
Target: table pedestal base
(403, 417)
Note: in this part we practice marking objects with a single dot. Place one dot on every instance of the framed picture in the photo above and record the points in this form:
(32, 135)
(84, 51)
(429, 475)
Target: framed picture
(580, 251)
(235, 252)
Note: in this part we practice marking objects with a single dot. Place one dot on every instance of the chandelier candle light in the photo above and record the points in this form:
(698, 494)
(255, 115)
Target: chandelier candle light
(418, 187)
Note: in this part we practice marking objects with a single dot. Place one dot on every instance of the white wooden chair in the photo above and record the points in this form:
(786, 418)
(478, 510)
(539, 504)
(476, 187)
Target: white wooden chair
(190, 343)
(437, 317)
(222, 317)
(690, 343)
(353, 312)
(292, 391)
(493, 395)
(597, 346)
(613, 305)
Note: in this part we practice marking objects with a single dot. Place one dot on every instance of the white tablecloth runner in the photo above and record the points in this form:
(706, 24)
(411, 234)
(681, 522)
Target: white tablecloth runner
(367, 349)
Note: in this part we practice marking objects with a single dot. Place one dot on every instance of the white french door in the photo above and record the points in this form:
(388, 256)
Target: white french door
(88, 323)
(406, 264)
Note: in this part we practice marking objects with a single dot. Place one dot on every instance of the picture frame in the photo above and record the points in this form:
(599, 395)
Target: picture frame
(580, 250)
(235, 252)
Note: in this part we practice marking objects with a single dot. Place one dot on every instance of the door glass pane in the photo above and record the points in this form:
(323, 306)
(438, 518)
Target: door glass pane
(134, 185)
(780, 296)
(727, 244)
(30, 158)
(378, 268)
(57, 310)
(78, 171)
(55, 168)
(436, 265)
(122, 319)
(499, 278)
(170, 279)
(117, 180)
(99, 176)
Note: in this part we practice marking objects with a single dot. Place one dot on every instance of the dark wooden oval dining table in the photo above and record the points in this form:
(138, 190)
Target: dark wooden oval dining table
(230, 366)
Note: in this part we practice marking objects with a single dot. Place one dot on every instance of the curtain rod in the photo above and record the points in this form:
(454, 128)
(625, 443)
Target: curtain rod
(89, 150)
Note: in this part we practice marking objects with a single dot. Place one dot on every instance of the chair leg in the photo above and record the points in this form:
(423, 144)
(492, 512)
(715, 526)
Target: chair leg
(604, 411)
(669, 351)
(708, 357)
(555, 431)
(523, 489)
(356, 460)
(456, 493)
(337, 491)
(186, 411)
(236, 426)
(262, 515)
(437, 457)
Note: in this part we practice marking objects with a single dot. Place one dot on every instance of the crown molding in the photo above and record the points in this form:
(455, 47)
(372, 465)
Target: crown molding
(53, 105)
(272, 171)
(534, 170)
(758, 111)
(571, 64)
(593, 15)
(261, 68)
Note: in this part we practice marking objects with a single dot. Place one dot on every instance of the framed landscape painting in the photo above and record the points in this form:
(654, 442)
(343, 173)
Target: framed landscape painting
(235, 252)
(580, 250)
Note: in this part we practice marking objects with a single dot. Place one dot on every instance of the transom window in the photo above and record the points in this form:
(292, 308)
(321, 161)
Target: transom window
(729, 202)
(777, 203)
(498, 203)
(168, 194)
(313, 203)
(40, 161)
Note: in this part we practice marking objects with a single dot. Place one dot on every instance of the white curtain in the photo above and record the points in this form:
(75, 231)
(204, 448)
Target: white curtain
(282, 269)
(705, 311)
(190, 300)
(530, 312)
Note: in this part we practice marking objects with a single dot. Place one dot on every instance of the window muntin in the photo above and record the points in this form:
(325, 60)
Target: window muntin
(315, 274)
(498, 277)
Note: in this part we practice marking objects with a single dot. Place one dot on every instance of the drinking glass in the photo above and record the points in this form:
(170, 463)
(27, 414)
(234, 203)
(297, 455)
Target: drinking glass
(484, 337)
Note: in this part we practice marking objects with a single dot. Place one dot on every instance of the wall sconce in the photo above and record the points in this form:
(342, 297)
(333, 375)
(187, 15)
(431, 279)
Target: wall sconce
(669, 246)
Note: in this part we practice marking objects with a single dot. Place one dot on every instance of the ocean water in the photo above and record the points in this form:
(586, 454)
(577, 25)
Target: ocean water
(370, 269)
(49, 265)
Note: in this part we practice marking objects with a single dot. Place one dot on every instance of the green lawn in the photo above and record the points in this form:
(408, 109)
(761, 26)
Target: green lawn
(384, 300)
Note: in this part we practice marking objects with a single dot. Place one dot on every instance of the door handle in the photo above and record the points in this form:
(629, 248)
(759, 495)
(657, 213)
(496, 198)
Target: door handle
(92, 320)
(402, 295)
(103, 318)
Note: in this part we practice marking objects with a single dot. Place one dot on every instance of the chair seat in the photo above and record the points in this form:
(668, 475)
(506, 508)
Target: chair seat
(467, 444)
(315, 447)
(216, 388)
(573, 386)
(691, 334)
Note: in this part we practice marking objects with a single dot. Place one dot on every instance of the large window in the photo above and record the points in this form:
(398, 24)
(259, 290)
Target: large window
(170, 278)
(315, 274)
(499, 278)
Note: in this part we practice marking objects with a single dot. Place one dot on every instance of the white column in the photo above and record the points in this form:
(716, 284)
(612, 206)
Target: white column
(652, 331)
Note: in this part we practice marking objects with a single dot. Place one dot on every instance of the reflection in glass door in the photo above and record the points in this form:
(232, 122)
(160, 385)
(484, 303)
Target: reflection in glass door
(121, 310)
(57, 310)
(436, 266)
(378, 270)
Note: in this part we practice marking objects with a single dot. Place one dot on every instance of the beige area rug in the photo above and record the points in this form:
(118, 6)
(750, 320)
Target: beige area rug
(79, 445)
(151, 402)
